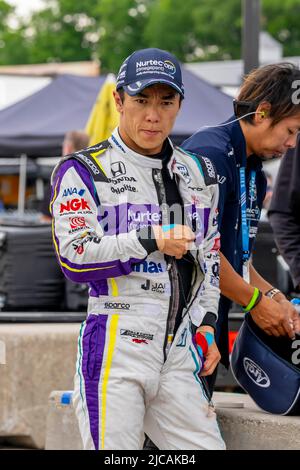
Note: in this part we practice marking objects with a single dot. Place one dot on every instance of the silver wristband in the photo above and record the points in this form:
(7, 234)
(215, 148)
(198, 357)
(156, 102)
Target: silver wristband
(272, 292)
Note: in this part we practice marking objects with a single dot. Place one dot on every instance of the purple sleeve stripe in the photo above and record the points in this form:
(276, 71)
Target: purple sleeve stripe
(69, 266)
(98, 266)
(93, 271)
(86, 178)
(206, 220)
(120, 269)
(54, 191)
(88, 271)
(62, 169)
(93, 344)
(52, 198)
(94, 266)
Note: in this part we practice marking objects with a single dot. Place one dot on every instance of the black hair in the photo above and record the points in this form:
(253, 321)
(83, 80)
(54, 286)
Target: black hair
(274, 84)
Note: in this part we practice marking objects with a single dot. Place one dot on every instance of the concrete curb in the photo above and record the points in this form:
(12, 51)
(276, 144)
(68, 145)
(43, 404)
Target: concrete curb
(35, 359)
(62, 431)
(250, 428)
(243, 425)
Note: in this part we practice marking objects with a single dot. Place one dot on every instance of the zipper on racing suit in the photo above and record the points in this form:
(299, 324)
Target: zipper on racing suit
(171, 264)
(189, 302)
(174, 280)
(203, 380)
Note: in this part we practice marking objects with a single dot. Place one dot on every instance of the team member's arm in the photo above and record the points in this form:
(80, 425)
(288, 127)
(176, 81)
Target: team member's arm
(290, 313)
(269, 315)
(84, 251)
(232, 285)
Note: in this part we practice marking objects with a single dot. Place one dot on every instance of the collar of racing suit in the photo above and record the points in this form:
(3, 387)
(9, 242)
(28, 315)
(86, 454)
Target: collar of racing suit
(142, 160)
(139, 159)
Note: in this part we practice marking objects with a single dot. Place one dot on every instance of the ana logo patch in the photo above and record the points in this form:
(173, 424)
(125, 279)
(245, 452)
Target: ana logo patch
(71, 191)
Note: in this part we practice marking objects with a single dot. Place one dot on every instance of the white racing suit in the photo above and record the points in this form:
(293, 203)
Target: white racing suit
(132, 376)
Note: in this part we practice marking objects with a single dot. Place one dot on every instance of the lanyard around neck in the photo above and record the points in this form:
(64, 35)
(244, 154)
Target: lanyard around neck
(243, 203)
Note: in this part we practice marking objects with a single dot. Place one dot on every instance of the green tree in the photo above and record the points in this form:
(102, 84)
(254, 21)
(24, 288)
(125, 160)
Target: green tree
(171, 26)
(12, 47)
(196, 29)
(212, 30)
(71, 30)
(281, 20)
(121, 30)
(63, 31)
(5, 11)
(218, 29)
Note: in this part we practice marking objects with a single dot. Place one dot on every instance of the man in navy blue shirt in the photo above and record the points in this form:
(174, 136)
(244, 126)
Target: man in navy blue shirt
(265, 124)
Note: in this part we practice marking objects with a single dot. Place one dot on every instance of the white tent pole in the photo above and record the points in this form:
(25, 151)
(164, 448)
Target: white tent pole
(40, 188)
(22, 184)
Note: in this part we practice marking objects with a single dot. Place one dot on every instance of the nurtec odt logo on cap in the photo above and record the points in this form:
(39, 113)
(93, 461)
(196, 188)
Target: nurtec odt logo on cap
(170, 66)
(161, 66)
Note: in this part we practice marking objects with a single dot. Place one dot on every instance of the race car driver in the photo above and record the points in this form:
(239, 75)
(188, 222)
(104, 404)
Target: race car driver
(135, 217)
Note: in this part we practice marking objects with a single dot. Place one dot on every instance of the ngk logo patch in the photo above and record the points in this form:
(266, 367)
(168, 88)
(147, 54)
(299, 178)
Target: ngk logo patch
(74, 205)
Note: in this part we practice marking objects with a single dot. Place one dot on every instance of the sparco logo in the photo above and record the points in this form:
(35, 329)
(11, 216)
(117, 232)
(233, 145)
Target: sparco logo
(116, 305)
(210, 168)
(256, 374)
(90, 163)
(118, 169)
